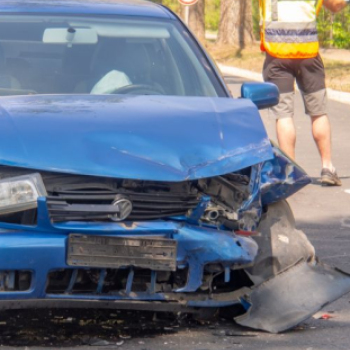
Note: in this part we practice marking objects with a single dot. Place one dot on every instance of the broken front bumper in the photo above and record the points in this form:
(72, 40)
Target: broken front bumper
(286, 283)
(36, 254)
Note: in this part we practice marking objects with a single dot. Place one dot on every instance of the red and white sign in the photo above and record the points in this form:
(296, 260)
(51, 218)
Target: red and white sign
(188, 2)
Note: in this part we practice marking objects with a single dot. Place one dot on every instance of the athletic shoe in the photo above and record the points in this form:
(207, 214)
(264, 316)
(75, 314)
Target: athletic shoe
(329, 178)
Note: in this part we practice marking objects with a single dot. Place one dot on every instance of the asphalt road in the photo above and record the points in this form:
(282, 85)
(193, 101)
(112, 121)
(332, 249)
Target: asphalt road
(322, 213)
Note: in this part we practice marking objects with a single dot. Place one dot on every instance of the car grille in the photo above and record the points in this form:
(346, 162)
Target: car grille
(113, 281)
(97, 205)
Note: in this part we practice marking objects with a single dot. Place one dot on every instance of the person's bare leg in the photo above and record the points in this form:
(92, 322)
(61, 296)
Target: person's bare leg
(286, 136)
(321, 131)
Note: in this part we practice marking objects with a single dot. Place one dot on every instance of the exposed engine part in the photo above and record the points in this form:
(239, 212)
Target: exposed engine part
(213, 213)
(227, 191)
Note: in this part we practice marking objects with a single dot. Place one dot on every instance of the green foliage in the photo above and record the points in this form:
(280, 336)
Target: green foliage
(174, 5)
(341, 38)
(212, 11)
(212, 14)
(334, 29)
(324, 26)
(256, 19)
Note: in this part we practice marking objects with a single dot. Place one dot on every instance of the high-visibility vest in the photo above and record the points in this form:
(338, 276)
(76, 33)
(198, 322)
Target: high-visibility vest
(288, 27)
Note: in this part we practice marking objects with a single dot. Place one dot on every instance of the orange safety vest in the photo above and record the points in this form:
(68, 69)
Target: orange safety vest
(288, 28)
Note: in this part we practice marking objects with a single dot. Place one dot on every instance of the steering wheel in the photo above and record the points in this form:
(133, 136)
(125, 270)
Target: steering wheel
(139, 89)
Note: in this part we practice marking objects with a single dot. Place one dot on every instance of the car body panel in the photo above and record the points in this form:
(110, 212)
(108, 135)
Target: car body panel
(120, 136)
(86, 7)
(281, 178)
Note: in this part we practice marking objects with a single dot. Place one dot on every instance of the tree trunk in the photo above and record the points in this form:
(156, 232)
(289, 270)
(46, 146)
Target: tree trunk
(236, 24)
(331, 34)
(196, 19)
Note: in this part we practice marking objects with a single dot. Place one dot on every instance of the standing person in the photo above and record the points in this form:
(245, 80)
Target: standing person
(289, 37)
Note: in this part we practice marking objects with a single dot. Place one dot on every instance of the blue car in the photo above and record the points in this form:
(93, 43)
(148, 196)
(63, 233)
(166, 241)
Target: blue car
(130, 178)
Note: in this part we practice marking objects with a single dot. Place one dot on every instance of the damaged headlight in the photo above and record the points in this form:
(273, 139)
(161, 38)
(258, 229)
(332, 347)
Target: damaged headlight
(20, 193)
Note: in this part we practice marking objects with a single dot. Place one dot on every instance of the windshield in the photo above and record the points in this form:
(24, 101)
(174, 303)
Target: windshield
(102, 55)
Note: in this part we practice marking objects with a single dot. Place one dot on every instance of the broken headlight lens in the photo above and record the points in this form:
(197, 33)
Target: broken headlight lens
(20, 193)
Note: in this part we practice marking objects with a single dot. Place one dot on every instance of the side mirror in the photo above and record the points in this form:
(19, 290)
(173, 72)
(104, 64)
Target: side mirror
(263, 95)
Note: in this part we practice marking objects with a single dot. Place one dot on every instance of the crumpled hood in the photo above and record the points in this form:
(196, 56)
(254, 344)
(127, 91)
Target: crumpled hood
(137, 137)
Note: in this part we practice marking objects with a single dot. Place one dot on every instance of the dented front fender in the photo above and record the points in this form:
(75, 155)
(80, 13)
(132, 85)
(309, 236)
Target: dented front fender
(281, 177)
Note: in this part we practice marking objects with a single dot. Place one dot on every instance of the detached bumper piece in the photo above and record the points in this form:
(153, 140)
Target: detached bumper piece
(293, 296)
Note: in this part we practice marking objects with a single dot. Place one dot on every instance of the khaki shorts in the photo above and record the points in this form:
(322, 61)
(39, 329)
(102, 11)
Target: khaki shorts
(310, 77)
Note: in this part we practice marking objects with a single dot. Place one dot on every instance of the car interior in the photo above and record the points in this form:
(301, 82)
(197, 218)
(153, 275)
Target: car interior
(57, 57)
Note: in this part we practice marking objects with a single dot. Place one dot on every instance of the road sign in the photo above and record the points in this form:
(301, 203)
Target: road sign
(188, 2)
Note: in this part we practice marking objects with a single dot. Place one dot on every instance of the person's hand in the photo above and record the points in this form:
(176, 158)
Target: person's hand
(335, 5)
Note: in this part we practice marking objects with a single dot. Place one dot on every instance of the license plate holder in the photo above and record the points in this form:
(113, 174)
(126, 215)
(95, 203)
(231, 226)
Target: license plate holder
(154, 253)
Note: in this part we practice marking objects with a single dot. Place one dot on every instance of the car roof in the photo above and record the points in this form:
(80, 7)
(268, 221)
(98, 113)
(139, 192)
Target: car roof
(100, 7)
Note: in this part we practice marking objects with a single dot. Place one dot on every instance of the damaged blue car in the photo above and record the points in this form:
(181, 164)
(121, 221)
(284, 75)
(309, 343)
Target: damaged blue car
(130, 178)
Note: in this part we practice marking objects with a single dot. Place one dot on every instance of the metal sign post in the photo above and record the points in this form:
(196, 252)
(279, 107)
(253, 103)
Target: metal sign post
(187, 4)
(187, 14)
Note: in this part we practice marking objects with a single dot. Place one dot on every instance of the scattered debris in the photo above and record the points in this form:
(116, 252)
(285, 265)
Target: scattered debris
(99, 342)
(230, 333)
(99, 328)
(122, 336)
(323, 316)
(68, 328)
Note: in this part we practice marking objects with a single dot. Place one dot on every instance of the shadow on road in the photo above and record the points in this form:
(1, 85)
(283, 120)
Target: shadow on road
(66, 328)
(110, 329)
(317, 180)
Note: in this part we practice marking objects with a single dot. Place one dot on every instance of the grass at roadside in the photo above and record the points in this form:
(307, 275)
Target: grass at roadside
(337, 72)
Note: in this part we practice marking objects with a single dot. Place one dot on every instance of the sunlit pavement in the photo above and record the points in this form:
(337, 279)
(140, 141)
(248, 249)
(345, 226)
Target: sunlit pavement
(323, 214)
